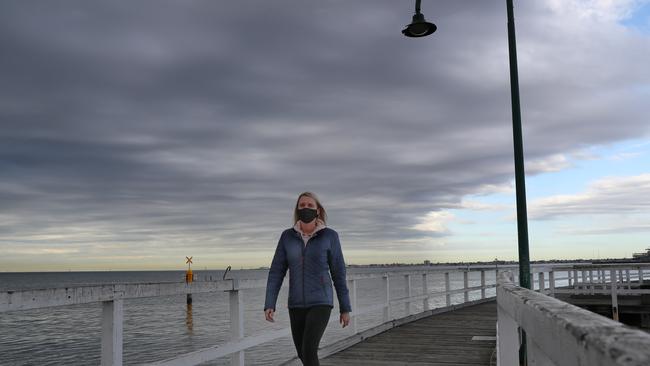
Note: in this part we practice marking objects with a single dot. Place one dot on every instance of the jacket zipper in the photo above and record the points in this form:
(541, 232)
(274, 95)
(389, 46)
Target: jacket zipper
(302, 262)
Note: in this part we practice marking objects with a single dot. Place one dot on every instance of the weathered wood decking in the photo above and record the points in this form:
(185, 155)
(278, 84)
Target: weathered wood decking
(444, 339)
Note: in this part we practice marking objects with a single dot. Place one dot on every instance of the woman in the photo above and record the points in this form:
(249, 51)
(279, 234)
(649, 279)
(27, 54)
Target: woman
(312, 253)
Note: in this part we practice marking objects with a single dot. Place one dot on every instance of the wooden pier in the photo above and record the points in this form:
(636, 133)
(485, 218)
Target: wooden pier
(462, 337)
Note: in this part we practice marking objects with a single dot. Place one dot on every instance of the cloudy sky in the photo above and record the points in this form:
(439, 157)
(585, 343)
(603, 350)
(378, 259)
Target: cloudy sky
(135, 133)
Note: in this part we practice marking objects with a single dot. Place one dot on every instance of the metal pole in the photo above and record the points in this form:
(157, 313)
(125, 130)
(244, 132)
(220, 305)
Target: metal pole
(520, 178)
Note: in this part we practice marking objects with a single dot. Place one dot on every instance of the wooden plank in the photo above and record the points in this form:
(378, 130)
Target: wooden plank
(442, 339)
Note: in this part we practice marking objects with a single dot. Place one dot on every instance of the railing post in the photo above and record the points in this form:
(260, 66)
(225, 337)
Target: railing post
(591, 281)
(425, 292)
(352, 287)
(640, 277)
(407, 290)
(614, 284)
(569, 276)
(112, 326)
(627, 278)
(447, 289)
(482, 284)
(236, 321)
(542, 282)
(619, 278)
(466, 285)
(551, 283)
(387, 299)
(575, 281)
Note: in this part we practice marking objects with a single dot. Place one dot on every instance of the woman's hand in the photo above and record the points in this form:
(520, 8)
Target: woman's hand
(268, 314)
(344, 319)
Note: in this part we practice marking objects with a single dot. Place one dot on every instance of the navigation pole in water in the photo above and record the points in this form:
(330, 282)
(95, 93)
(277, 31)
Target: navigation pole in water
(189, 277)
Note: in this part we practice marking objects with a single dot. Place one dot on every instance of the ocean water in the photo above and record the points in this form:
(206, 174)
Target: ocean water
(163, 327)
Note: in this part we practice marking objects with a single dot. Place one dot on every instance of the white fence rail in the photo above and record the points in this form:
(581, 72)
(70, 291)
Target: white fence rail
(547, 279)
(616, 280)
(112, 297)
(560, 334)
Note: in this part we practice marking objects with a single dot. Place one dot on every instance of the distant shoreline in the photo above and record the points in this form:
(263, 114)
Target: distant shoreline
(372, 265)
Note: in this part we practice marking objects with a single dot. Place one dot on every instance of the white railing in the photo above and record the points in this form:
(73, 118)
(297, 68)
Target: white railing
(558, 333)
(622, 279)
(112, 297)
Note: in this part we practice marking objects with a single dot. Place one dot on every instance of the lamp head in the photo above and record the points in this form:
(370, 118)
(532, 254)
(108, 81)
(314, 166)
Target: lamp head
(419, 27)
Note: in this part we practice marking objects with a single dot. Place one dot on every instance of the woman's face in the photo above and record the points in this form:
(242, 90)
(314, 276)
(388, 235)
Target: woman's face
(307, 202)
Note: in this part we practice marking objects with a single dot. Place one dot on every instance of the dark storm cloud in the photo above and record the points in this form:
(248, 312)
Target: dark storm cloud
(162, 122)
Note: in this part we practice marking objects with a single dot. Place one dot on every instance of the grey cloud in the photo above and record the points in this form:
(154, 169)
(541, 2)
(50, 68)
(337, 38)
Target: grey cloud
(205, 119)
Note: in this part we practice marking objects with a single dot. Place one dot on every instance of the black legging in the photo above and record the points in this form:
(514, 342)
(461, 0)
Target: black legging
(307, 328)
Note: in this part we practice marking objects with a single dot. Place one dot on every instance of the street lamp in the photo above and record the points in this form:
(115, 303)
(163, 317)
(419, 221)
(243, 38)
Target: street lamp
(420, 28)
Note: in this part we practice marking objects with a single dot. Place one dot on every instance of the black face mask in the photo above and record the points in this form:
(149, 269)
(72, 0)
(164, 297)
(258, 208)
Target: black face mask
(307, 215)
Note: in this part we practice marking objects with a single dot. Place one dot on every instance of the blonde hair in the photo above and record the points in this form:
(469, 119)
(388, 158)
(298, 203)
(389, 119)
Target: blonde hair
(322, 213)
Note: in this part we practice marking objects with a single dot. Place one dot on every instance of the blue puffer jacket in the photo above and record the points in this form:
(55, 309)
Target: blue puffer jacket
(309, 267)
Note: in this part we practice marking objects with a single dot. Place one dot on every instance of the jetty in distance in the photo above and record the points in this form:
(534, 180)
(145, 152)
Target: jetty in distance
(479, 322)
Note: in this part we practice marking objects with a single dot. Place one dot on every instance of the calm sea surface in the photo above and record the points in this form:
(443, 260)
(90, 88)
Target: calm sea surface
(163, 327)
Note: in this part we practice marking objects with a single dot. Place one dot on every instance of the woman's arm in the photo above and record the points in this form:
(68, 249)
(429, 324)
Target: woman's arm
(337, 268)
(277, 272)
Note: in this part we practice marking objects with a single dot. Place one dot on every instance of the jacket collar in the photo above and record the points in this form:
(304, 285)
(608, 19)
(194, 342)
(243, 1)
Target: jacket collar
(320, 225)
